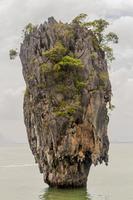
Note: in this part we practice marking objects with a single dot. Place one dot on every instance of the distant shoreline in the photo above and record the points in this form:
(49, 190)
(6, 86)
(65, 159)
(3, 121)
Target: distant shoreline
(121, 142)
(26, 143)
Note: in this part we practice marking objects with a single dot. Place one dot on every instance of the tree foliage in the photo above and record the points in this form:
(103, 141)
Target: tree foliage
(29, 28)
(13, 53)
(98, 28)
(56, 53)
(70, 62)
(111, 37)
(79, 19)
(60, 58)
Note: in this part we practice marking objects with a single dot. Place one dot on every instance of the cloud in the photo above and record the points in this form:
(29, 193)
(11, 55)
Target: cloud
(11, 104)
(114, 9)
(11, 115)
(121, 118)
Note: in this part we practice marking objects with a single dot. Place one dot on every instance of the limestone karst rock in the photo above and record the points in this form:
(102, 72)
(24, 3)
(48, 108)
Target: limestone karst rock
(65, 103)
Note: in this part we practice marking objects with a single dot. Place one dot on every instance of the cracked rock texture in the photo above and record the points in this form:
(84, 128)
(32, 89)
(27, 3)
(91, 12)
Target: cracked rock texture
(65, 102)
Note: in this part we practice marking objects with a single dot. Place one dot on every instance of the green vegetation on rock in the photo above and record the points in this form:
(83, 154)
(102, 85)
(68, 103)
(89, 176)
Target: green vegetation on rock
(80, 85)
(44, 68)
(33, 61)
(103, 76)
(79, 19)
(29, 28)
(102, 41)
(13, 53)
(59, 59)
(98, 28)
(56, 53)
(103, 79)
(69, 62)
(64, 31)
(65, 109)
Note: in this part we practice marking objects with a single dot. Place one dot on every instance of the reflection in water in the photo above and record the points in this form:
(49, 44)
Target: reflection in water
(65, 194)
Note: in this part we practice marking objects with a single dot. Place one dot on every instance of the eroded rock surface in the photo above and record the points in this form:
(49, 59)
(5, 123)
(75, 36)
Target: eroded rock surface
(67, 91)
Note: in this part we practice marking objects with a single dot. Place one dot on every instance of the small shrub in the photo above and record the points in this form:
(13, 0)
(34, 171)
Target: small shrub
(65, 109)
(93, 55)
(70, 62)
(33, 61)
(64, 31)
(44, 68)
(13, 53)
(80, 85)
(68, 110)
(56, 53)
(29, 28)
(103, 76)
(79, 19)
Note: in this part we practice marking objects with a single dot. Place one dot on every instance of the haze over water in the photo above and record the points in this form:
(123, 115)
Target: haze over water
(20, 178)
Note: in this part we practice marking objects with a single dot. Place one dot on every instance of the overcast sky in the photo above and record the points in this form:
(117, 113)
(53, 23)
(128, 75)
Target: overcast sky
(15, 14)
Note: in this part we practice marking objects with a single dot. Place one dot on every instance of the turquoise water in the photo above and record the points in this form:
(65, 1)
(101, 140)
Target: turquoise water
(20, 178)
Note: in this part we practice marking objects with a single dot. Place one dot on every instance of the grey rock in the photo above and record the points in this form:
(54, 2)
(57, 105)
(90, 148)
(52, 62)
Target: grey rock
(66, 128)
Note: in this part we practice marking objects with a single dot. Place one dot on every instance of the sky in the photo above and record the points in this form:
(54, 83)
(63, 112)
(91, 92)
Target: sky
(15, 14)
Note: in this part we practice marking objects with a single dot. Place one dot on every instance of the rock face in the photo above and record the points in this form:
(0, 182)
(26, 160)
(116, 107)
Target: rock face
(65, 103)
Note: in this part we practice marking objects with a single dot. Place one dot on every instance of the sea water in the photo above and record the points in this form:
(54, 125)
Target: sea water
(20, 178)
